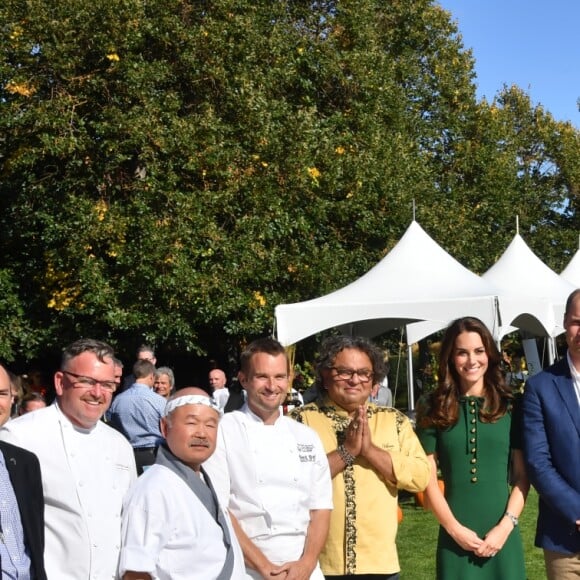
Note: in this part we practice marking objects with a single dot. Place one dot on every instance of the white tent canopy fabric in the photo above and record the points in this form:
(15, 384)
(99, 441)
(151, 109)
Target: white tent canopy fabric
(416, 281)
(531, 296)
(571, 273)
(419, 285)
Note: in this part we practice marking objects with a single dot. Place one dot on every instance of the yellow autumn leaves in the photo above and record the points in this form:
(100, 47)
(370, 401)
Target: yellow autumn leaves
(315, 173)
(20, 88)
(26, 89)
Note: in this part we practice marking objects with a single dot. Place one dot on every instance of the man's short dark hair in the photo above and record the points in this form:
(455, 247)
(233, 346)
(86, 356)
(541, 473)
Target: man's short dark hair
(142, 369)
(570, 301)
(145, 348)
(267, 345)
(100, 349)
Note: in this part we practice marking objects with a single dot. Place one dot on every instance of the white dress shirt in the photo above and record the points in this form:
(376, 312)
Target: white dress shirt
(85, 475)
(575, 376)
(221, 396)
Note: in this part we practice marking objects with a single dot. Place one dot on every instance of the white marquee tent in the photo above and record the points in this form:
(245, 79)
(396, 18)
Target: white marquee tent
(571, 273)
(419, 285)
(416, 281)
(531, 296)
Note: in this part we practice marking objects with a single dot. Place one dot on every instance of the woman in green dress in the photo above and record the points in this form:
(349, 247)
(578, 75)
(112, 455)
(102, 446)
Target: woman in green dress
(468, 427)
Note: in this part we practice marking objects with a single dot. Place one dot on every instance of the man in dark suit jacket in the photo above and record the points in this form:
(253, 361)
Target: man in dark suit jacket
(552, 452)
(24, 472)
(24, 475)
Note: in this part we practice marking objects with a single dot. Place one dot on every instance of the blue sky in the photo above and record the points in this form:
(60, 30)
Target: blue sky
(530, 43)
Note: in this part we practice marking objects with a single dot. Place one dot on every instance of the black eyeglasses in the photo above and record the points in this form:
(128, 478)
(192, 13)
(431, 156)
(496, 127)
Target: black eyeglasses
(83, 382)
(364, 375)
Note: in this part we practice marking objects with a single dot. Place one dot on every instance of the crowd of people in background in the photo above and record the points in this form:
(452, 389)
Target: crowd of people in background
(135, 479)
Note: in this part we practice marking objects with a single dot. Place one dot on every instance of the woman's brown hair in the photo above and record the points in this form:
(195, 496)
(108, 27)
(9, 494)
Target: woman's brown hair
(442, 408)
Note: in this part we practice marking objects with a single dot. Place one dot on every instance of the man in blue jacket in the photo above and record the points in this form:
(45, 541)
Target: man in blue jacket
(552, 452)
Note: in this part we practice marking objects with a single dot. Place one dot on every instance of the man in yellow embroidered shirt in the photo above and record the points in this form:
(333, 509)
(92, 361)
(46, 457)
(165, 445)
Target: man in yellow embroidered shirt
(372, 451)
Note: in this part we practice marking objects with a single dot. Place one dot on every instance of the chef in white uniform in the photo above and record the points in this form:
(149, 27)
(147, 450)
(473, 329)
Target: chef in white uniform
(173, 526)
(272, 472)
(87, 467)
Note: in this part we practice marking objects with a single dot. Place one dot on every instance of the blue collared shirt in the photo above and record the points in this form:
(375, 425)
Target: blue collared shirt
(15, 558)
(136, 413)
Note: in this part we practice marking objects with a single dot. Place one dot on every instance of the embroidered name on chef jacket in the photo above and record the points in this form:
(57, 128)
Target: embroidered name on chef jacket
(305, 452)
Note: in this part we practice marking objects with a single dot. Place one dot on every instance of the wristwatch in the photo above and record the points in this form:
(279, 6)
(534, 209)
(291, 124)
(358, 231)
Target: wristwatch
(513, 518)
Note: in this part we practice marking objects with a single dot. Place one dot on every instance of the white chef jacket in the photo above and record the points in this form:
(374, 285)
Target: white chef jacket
(85, 475)
(270, 476)
(168, 533)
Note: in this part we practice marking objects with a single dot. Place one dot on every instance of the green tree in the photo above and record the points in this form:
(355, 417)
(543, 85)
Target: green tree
(512, 161)
(173, 169)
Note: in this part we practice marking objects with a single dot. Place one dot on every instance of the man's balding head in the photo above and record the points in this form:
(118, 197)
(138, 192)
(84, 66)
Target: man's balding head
(217, 379)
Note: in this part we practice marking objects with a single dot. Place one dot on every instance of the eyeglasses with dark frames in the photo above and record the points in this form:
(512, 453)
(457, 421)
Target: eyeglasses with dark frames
(83, 382)
(364, 375)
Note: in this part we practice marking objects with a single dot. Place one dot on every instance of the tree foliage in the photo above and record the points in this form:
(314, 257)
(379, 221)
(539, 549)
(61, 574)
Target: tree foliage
(513, 161)
(173, 169)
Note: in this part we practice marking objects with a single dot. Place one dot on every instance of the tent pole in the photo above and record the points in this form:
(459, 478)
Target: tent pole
(551, 350)
(410, 389)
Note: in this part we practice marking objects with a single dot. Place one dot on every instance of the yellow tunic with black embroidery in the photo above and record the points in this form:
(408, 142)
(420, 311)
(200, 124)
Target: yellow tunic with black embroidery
(363, 524)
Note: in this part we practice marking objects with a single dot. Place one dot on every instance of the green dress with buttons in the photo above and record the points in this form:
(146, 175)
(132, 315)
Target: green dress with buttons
(474, 459)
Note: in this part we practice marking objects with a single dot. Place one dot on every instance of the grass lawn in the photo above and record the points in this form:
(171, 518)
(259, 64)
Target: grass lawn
(417, 541)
